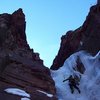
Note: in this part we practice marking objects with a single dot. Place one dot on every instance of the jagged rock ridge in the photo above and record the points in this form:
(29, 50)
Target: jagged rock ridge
(86, 37)
(20, 67)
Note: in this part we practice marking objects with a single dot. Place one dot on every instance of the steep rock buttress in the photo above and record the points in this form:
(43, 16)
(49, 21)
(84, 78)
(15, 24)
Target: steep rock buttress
(20, 67)
(86, 37)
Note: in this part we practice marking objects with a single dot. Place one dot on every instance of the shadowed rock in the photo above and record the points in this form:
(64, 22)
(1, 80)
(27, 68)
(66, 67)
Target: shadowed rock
(86, 37)
(98, 2)
(20, 66)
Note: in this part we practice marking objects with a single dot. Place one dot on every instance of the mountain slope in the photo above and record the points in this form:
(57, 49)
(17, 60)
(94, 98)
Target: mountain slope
(79, 57)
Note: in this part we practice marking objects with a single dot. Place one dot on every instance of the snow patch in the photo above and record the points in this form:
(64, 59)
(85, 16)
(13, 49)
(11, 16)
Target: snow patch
(25, 99)
(49, 95)
(81, 43)
(17, 92)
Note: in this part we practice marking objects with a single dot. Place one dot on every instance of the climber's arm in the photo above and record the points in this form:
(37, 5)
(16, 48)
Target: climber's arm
(65, 79)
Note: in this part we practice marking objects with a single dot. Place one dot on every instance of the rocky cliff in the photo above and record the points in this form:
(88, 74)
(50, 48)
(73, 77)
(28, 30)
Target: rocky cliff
(21, 70)
(86, 37)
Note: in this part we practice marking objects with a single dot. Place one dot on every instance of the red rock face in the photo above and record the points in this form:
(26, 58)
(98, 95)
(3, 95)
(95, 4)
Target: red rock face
(69, 44)
(87, 37)
(20, 67)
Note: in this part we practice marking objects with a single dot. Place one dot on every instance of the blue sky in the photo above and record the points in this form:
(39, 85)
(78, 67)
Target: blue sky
(48, 20)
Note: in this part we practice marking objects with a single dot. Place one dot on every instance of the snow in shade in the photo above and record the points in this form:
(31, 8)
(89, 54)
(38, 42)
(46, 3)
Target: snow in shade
(89, 81)
(25, 99)
(17, 92)
(49, 95)
(81, 43)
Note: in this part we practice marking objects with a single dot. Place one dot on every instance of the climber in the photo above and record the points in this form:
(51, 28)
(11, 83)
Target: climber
(72, 83)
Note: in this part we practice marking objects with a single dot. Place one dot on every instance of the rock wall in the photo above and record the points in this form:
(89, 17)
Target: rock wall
(20, 67)
(86, 37)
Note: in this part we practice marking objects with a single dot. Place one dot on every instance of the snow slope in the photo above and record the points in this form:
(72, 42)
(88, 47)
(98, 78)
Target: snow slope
(89, 82)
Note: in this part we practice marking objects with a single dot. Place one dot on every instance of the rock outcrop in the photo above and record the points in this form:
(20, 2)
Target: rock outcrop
(86, 37)
(20, 67)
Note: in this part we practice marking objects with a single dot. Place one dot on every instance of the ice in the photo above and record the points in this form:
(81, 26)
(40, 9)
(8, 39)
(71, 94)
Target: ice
(25, 99)
(90, 80)
(17, 92)
(49, 95)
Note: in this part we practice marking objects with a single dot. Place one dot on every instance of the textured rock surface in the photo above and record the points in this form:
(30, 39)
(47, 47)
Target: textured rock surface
(98, 1)
(20, 67)
(87, 37)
